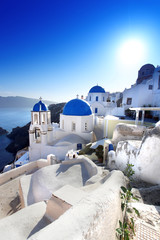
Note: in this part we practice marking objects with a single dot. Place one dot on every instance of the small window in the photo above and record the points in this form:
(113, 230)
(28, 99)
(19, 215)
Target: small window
(97, 98)
(90, 98)
(129, 101)
(96, 110)
(85, 126)
(43, 118)
(35, 118)
(73, 126)
(150, 87)
(103, 99)
(37, 133)
(79, 146)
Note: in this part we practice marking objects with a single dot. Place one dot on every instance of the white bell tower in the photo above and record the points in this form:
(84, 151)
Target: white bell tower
(40, 131)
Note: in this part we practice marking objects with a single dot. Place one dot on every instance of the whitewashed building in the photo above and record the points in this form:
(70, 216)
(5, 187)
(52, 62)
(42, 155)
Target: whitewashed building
(146, 90)
(77, 118)
(100, 101)
(76, 129)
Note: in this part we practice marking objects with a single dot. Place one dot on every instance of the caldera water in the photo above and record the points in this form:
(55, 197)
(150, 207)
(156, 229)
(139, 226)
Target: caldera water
(11, 118)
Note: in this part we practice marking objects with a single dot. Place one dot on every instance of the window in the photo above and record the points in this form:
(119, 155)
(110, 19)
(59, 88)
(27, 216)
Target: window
(97, 98)
(43, 118)
(90, 98)
(37, 134)
(150, 87)
(159, 82)
(103, 99)
(96, 110)
(79, 146)
(73, 126)
(129, 101)
(85, 126)
(35, 118)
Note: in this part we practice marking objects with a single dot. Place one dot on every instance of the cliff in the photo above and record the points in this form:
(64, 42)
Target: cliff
(56, 109)
(19, 137)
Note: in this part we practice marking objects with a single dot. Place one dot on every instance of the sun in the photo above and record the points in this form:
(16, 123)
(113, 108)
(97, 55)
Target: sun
(131, 51)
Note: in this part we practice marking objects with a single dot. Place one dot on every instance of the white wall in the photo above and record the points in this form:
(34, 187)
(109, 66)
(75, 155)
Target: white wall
(95, 217)
(100, 108)
(24, 169)
(99, 95)
(156, 90)
(117, 111)
(79, 123)
(38, 151)
(140, 95)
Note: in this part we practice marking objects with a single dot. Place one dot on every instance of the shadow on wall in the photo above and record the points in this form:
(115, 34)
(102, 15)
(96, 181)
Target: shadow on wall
(15, 205)
(41, 224)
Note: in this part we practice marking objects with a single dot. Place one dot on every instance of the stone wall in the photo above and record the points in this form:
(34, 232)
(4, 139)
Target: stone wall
(144, 155)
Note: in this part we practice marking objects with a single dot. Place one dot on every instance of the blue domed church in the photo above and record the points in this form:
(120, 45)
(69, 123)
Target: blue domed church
(74, 132)
(77, 117)
(99, 100)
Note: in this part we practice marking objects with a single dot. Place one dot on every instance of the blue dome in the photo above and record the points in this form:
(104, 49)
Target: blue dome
(40, 107)
(97, 89)
(77, 107)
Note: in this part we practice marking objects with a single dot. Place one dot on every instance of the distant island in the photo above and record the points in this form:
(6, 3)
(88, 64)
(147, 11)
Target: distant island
(21, 102)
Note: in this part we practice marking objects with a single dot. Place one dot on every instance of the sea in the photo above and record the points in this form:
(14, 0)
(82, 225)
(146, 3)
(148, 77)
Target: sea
(9, 119)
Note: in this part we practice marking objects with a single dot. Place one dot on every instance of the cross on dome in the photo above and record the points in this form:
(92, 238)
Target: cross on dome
(40, 106)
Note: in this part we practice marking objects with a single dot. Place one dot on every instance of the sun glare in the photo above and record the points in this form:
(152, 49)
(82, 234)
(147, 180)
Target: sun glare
(131, 51)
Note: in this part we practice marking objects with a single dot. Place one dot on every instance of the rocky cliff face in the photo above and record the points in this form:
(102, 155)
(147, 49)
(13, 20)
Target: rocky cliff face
(2, 131)
(56, 109)
(20, 135)
(20, 139)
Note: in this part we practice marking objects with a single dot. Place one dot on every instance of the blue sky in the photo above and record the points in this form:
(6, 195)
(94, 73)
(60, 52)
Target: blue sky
(57, 49)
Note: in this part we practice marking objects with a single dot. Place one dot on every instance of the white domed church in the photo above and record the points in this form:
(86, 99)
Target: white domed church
(75, 130)
(99, 101)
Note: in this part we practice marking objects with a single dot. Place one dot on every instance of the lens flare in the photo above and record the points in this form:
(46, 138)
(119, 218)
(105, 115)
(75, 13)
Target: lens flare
(131, 51)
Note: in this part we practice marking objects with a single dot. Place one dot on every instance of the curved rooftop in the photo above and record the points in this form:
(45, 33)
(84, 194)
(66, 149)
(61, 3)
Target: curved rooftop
(40, 107)
(97, 89)
(145, 72)
(147, 66)
(77, 107)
